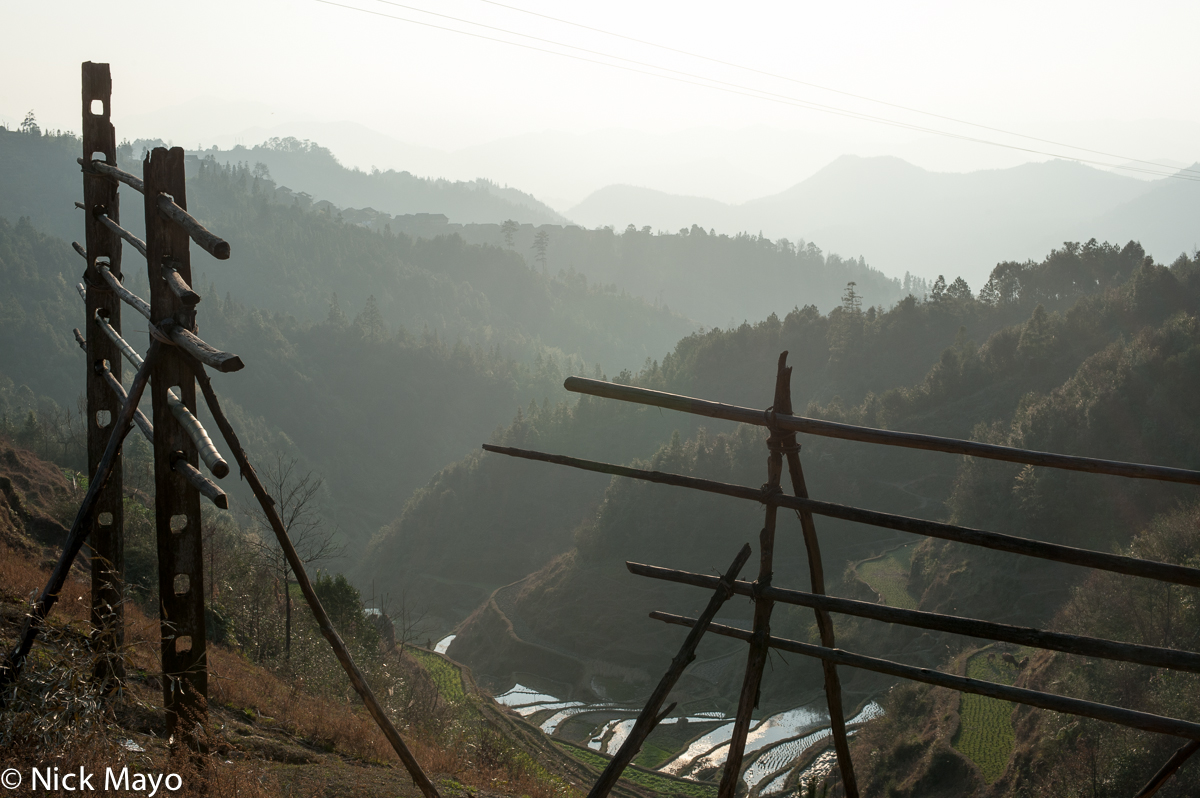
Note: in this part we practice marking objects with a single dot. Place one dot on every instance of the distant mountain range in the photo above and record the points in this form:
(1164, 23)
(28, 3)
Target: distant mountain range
(904, 218)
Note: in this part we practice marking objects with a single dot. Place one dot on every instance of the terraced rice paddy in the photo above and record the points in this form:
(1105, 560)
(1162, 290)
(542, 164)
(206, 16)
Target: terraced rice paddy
(985, 731)
(444, 675)
(888, 576)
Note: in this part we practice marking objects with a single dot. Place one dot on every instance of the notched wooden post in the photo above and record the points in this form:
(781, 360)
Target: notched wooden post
(103, 248)
(177, 502)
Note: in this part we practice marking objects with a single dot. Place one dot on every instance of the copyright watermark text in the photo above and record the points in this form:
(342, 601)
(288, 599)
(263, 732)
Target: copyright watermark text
(53, 778)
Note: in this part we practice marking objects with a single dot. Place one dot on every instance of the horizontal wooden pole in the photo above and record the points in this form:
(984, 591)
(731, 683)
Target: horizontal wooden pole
(1086, 558)
(850, 432)
(179, 286)
(1153, 656)
(195, 430)
(224, 362)
(201, 483)
(79, 248)
(79, 339)
(1020, 695)
(127, 296)
(121, 232)
(210, 243)
(120, 175)
(179, 465)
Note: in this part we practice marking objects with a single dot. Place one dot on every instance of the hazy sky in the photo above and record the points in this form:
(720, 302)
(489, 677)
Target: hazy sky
(1111, 76)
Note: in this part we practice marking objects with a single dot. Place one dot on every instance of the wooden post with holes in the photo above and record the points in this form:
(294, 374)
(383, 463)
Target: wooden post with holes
(177, 504)
(103, 247)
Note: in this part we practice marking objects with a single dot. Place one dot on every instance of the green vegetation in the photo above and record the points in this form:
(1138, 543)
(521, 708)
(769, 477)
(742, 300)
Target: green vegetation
(660, 784)
(888, 576)
(446, 676)
(985, 732)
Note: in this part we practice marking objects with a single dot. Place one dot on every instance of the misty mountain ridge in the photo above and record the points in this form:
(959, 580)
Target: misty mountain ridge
(901, 217)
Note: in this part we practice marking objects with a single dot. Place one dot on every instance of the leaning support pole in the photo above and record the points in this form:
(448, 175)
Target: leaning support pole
(339, 648)
(80, 528)
(816, 575)
(756, 659)
(1169, 769)
(650, 716)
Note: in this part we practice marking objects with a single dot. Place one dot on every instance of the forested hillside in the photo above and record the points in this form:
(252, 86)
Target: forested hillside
(850, 358)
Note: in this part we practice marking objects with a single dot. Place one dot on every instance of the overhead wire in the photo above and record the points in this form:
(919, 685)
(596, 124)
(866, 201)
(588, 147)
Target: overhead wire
(821, 87)
(712, 83)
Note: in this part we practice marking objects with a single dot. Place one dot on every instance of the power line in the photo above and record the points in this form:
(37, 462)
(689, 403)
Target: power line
(711, 83)
(799, 82)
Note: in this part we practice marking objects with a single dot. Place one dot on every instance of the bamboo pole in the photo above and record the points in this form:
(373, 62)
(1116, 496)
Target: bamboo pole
(650, 716)
(191, 425)
(850, 432)
(112, 172)
(130, 298)
(1117, 563)
(206, 486)
(120, 231)
(1020, 695)
(179, 286)
(816, 575)
(1152, 656)
(756, 657)
(80, 529)
(223, 362)
(212, 244)
(339, 648)
(1169, 769)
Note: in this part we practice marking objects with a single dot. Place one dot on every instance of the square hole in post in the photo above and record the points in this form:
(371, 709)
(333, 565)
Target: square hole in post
(179, 523)
(98, 156)
(104, 519)
(183, 583)
(97, 108)
(183, 644)
(103, 418)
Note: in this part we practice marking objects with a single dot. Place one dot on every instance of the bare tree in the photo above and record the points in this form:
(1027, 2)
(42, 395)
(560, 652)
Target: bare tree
(295, 497)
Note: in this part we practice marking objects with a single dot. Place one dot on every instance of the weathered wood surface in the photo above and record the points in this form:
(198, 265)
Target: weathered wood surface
(205, 448)
(1034, 698)
(1169, 769)
(112, 172)
(206, 486)
(1173, 659)
(102, 252)
(756, 656)
(650, 715)
(224, 362)
(176, 502)
(210, 243)
(178, 287)
(911, 440)
(130, 298)
(121, 232)
(267, 504)
(1117, 563)
(81, 527)
(816, 575)
(79, 248)
(79, 339)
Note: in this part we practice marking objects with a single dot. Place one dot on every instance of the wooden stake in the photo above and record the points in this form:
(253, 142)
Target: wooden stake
(176, 501)
(650, 717)
(103, 252)
(335, 642)
(756, 659)
(816, 575)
